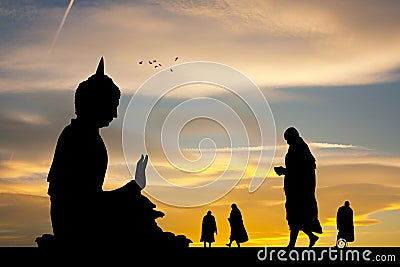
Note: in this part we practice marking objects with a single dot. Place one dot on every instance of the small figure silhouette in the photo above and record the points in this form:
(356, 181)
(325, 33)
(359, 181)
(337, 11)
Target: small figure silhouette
(208, 229)
(299, 186)
(345, 223)
(83, 215)
(238, 230)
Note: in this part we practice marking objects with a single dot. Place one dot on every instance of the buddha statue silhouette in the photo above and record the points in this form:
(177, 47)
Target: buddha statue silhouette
(82, 214)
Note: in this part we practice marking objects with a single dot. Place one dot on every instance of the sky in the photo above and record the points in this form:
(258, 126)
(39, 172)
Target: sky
(246, 70)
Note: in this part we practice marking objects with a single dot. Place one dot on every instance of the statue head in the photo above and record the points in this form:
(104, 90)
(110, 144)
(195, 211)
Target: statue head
(97, 98)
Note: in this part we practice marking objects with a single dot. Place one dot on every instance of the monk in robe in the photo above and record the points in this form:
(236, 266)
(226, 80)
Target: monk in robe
(238, 230)
(345, 223)
(299, 187)
(208, 229)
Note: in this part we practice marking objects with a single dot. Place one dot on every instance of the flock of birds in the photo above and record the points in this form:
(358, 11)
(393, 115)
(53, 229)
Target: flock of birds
(155, 63)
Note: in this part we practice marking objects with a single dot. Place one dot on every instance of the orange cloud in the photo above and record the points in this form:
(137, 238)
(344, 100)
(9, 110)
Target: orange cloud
(16, 168)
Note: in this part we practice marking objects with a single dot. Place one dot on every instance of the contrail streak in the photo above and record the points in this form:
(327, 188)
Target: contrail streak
(60, 27)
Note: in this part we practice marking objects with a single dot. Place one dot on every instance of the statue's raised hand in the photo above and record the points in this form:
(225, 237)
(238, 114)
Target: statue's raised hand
(140, 175)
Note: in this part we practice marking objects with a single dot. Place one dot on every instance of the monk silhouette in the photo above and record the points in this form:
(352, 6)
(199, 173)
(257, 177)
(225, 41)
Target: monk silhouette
(299, 187)
(82, 213)
(345, 223)
(208, 229)
(238, 230)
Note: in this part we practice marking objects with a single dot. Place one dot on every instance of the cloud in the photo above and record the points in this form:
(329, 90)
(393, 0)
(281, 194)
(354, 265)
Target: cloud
(286, 43)
(264, 214)
(385, 197)
(17, 169)
(263, 210)
(54, 109)
(346, 173)
(26, 118)
(30, 123)
(260, 148)
(24, 217)
(312, 41)
(328, 145)
(18, 10)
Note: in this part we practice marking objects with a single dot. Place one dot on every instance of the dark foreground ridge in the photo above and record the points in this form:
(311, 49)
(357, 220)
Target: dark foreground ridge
(197, 256)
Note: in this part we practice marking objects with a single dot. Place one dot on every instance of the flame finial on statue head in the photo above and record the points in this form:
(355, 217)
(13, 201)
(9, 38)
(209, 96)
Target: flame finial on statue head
(100, 67)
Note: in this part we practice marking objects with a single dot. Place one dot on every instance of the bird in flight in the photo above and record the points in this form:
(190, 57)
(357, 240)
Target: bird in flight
(157, 65)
